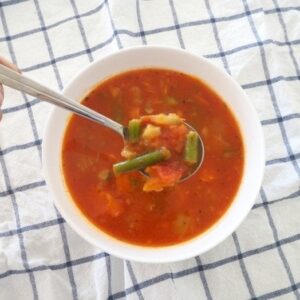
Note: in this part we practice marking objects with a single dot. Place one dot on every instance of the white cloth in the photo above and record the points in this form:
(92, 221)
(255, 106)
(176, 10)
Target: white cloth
(258, 42)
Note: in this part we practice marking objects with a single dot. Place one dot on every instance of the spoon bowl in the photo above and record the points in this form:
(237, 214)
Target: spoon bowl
(201, 151)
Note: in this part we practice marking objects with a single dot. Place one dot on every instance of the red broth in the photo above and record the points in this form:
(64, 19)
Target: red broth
(118, 205)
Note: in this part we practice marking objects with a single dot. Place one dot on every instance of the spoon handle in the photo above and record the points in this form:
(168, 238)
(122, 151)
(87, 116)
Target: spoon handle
(24, 84)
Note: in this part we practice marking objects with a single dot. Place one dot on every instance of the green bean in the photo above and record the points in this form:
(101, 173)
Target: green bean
(191, 148)
(134, 130)
(141, 162)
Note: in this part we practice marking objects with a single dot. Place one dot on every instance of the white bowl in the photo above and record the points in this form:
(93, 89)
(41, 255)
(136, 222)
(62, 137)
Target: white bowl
(169, 58)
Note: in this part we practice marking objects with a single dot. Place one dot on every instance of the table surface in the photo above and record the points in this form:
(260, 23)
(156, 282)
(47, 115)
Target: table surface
(257, 42)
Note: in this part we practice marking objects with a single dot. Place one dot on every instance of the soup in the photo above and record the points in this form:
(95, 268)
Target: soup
(118, 205)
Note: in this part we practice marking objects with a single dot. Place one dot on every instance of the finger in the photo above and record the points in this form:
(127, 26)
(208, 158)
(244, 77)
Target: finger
(8, 64)
(1, 94)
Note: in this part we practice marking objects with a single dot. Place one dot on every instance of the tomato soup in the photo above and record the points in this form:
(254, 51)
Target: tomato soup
(118, 205)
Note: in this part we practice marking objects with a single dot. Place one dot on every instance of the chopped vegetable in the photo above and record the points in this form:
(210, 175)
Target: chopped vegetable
(151, 132)
(84, 162)
(110, 205)
(142, 161)
(229, 152)
(104, 174)
(149, 110)
(171, 100)
(115, 92)
(118, 114)
(161, 177)
(191, 148)
(166, 119)
(136, 94)
(207, 175)
(134, 130)
(182, 223)
(128, 153)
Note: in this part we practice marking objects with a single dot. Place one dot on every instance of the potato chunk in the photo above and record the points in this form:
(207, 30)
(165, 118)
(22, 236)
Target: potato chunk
(166, 119)
(151, 132)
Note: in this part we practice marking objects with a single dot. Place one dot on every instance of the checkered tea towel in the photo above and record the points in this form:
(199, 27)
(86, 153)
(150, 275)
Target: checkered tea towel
(257, 42)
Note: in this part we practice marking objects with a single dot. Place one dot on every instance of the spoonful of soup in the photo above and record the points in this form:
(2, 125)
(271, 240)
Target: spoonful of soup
(163, 147)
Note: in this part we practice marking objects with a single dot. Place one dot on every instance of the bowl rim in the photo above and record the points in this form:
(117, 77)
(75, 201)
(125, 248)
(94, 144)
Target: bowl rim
(153, 259)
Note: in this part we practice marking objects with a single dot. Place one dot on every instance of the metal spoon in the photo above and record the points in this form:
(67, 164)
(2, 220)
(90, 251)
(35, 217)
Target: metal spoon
(24, 84)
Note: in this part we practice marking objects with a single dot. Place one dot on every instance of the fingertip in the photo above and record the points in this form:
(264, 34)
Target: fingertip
(8, 64)
(1, 94)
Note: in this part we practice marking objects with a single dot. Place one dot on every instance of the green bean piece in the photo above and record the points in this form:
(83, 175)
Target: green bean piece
(191, 148)
(134, 130)
(141, 162)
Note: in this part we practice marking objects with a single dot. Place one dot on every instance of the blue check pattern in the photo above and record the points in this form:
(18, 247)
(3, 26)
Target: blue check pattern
(257, 42)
